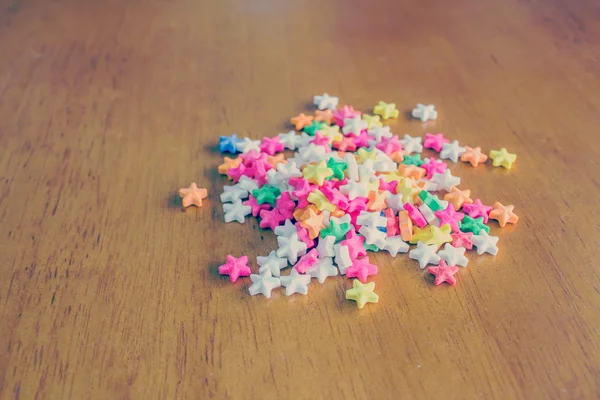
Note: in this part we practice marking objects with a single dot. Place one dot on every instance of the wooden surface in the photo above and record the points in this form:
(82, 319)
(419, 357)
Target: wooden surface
(109, 291)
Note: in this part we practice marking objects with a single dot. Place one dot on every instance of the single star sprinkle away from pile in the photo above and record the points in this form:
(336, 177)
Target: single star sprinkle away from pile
(350, 187)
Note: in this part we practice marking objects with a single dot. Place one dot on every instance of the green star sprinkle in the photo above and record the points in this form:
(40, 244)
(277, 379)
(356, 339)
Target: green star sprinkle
(336, 230)
(338, 168)
(474, 225)
(266, 194)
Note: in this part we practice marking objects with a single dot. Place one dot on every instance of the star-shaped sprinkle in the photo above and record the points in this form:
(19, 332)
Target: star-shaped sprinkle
(433, 166)
(324, 116)
(286, 205)
(371, 219)
(395, 245)
(439, 235)
(295, 283)
(434, 142)
(424, 112)
(322, 269)
(473, 156)
(271, 146)
(266, 194)
(342, 258)
(314, 127)
(229, 163)
(318, 199)
(228, 143)
(271, 263)
(271, 218)
(307, 261)
(326, 101)
(473, 225)
(411, 144)
(354, 125)
(412, 160)
(314, 223)
(451, 217)
(325, 246)
(451, 151)
(301, 120)
(406, 188)
(361, 269)
(246, 145)
(373, 236)
(503, 214)
(379, 132)
(235, 267)
(317, 173)
(376, 200)
(337, 168)
(462, 239)
(192, 195)
(355, 189)
(362, 293)
(290, 247)
(458, 197)
(355, 244)
(424, 254)
(290, 140)
(255, 208)
(373, 121)
(485, 243)
(445, 180)
(337, 230)
(389, 145)
(443, 273)
(236, 211)
(287, 229)
(394, 201)
(386, 110)
(453, 255)
(477, 209)
(502, 158)
(344, 144)
(264, 284)
(332, 132)
(233, 192)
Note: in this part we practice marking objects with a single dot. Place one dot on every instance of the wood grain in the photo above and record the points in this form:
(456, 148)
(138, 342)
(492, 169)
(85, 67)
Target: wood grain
(109, 291)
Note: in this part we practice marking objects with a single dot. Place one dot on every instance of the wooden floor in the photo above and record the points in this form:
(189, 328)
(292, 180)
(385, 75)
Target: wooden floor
(108, 290)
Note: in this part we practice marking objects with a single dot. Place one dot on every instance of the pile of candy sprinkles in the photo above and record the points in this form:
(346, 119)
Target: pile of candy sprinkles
(352, 186)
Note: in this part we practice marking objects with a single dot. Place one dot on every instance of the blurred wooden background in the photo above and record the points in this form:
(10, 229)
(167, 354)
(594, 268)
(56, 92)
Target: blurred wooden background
(109, 291)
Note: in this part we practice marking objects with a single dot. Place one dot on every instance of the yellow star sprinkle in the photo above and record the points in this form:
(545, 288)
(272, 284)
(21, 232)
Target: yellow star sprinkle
(362, 293)
(406, 187)
(386, 110)
(439, 235)
(373, 121)
(316, 173)
(503, 158)
(391, 176)
(318, 199)
(362, 155)
(332, 132)
(420, 235)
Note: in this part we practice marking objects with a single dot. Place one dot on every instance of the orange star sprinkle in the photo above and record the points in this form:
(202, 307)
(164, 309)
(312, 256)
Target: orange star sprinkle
(301, 120)
(300, 214)
(376, 200)
(313, 223)
(411, 171)
(229, 163)
(503, 214)
(324, 116)
(192, 195)
(458, 197)
(473, 156)
(398, 156)
(276, 159)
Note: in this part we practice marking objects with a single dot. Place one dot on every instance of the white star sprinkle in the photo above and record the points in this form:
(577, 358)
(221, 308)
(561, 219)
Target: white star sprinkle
(412, 144)
(342, 258)
(373, 236)
(485, 243)
(271, 263)
(264, 284)
(233, 192)
(325, 247)
(453, 255)
(424, 112)
(445, 180)
(355, 189)
(354, 125)
(236, 211)
(326, 101)
(290, 140)
(394, 201)
(323, 269)
(291, 247)
(247, 144)
(451, 151)
(295, 283)
(286, 230)
(395, 245)
(425, 254)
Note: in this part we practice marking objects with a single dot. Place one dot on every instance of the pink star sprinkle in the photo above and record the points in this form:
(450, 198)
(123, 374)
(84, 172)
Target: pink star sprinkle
(271, 218)
(462, 239)
(304, 236)
(286, 205)
(256, 208)
(434, 142)
(434, 166)
(271, 145)
(342, 113)
(389, 145)
(235, 267)
(390, 186)
(355, 244)
(451, 217)
(443, 273)
(321, 140)
(477, 209)
(307, 261)
(392, 226)
(361, 269)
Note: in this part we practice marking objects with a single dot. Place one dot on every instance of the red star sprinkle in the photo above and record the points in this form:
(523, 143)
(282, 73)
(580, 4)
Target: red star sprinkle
(443, 273)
